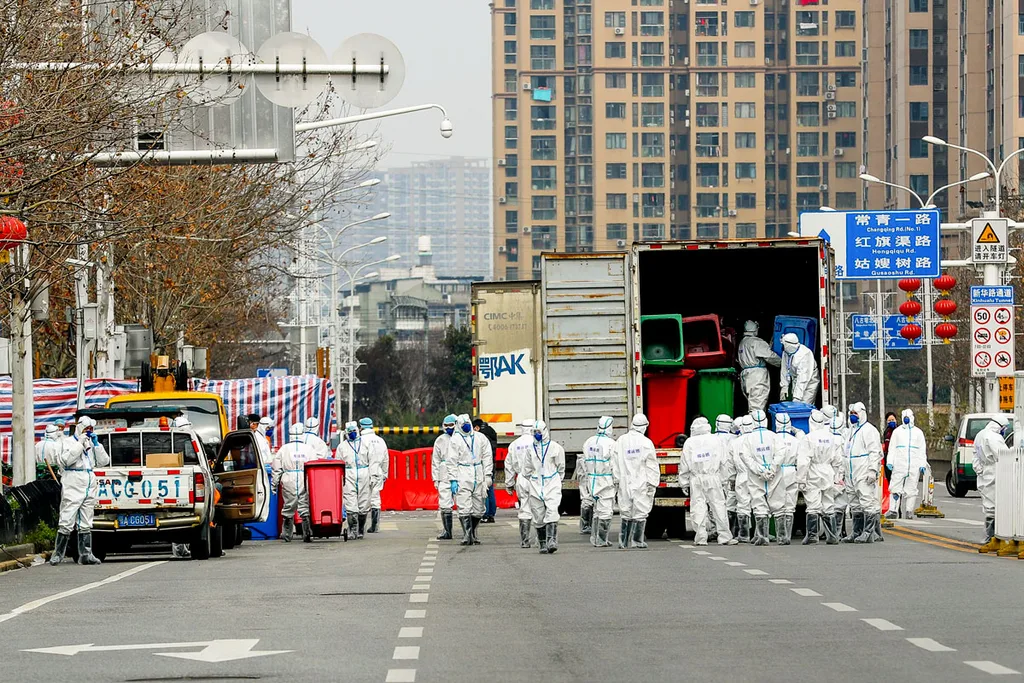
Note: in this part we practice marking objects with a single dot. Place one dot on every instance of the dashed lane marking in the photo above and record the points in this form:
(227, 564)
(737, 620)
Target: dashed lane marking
(415, 614)
(882, 624)
(423, 578)
(406, 652)
(701, 552)
(756, 572)
(684, 545)
(930, 645)
(388, 526)
(718, 558)
(419, 597)
(735, 564)
(421, 587)
(806, 592)
(839, 607)
(401, 676)
(992, 668)
(411, 632)
(780, 582)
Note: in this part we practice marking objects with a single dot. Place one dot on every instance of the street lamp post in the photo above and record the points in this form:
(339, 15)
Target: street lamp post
(446, 123)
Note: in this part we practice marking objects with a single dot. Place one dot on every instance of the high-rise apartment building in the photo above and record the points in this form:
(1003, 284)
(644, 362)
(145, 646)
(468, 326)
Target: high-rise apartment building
(622, 120)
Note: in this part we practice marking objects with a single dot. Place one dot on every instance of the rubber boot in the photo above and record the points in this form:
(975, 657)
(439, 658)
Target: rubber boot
(991, 544)
(586, 519)
(60, 547)
(760, 530)
(307, 530)
(625, 530)
(353, 526)
(524, 533)
(839, 517)
(472, 529)
(552, 533)
(639, 540)
(374, 521)
(744, 528)
(811, 533)
(287, 529)
(467, 530)
(831, 537)
(734, 525)
(542, 538)
(446, 526)
(362, 524)
(783, 529)
(856, 527)
(85, 555)
(877, 536)
(868, 533)
(602, 526)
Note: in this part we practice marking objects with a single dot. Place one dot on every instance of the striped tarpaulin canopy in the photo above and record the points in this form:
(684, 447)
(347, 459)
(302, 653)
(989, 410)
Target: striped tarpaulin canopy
(285, 400)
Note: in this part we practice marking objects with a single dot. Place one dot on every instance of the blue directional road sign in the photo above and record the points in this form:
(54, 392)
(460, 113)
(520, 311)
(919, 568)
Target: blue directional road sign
(865, 333)
(271, 372)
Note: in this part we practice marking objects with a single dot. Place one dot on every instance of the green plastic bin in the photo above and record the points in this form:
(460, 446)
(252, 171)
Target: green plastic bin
(716, 390)
(661, 339)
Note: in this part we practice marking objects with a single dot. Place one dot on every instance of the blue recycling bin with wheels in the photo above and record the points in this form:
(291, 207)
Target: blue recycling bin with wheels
(798, 411)
(268, 530)
(805, 329)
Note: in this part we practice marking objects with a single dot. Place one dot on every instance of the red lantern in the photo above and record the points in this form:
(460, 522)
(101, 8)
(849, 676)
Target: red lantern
(12, 232)
(910, 308)
(910, 284)
(945, 307)
(910, 331)
(944, 283)
(945, 331)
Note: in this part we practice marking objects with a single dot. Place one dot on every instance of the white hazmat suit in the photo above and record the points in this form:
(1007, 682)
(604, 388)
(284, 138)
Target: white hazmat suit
(381, 462)
(517, 482)
(988, 445)
(50, 447)
(597, 458)
(289, 480)
(907, 460)
(635, 466)
(357, 454)
(700, 468)
(545, 468)
(754, 355)
(77, 459)
(863, 462)
(745, 424)
(471, 467)
(724, 432)
(321, 451)
(757, 451)
(799, 378)
(782, 490)
(816, 474)
(439, 473)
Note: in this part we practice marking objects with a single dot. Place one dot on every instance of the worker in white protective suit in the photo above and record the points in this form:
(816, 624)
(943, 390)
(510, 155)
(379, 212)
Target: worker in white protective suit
(48, 449)
(835, 421)
(518, 483)
(907, 462)
(381, 461)
(289, 480)
(439, 473)
(988, 445)
(783, 491)
(583, 482)
(799, 379)
(357, 454)
(863, 462)
(635, 467)
(545, 468)
(754, 355)
(321, 451)
(263, 428)
(77, 459)
(700, 469)
(816, 468)
(724, 426)
(757, 451)
(599, 476)
(471, 467)
(744, 519)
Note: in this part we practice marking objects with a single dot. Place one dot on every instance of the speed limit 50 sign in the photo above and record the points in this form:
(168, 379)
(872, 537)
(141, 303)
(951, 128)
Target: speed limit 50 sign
(992, 331)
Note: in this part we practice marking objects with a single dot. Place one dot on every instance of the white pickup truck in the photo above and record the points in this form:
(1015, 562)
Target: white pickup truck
(161, 488)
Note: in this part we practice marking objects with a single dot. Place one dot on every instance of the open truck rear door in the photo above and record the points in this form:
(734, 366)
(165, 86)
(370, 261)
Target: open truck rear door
(241, 476)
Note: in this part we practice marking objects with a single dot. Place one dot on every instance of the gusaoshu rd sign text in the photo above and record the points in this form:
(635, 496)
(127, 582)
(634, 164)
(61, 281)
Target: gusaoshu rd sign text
(893, 244)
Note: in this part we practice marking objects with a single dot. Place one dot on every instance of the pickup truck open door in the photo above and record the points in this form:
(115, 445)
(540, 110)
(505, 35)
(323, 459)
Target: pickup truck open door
(241, 475)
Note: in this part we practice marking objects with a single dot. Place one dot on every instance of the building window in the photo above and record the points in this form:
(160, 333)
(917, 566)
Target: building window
(743, 19)
(806, 24)
(511, 137)
(807, 53)
(918, 39)
(543, 177)
(919, 75)
(744, 50)
(708, 205)
(652, 85)
(511, 190)
(511, 83)
(652, 114)
(652, 54)
(846, 169)
(746, 230)
(615, 200)
(708, 145)
(745, 110)
(510, 24)
(845, 201)
(542, 27)
(542, 147)
(512, 251)
(544, 237)
(846, 140)
(707, 175)
(653, 231)
(615, 80)
(744, 80)
(808, 174)
(919, 112)
(615, 19)
(707, 84)
(615, 171)
(542, 117)
(511, 165)
(846, 48)
(615, 50)
(707, 114)
(746, 200)
(708, 231)
(706, 24)
(918, 149)
(746, 171)
(807, 145)
(808, 201)
(542, 4)
(511, 109)
(615, 141)
(510, 52)
(652, 23)
(1020, 24)
(652, 145)
(542, 57)
(511, 273)
(615, 231)
(807, 84)
(745, 140)
(615, 110)
(919, 184)
(512, 221)
(808, 114)
(707, 54)
(653, 175)
(846, 79)
(846, 110)
(846, 19)
(544, 208)
(653, 205)
(918, 5)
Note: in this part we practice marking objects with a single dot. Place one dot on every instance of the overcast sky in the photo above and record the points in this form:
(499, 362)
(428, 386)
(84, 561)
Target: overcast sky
(447, 58)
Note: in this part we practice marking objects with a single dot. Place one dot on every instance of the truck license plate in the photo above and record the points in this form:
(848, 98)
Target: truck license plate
(136, 521)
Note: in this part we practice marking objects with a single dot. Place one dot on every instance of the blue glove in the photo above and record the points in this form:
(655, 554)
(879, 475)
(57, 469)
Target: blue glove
(921, 470)
(95, 440)
(455, 487)
(888, 466)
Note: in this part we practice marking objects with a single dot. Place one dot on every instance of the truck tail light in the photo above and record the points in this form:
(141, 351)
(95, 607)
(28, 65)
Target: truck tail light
(199, 486)
(671, 469)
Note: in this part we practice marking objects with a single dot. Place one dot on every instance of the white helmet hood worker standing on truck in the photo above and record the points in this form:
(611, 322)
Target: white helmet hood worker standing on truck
(79, 488)
(545, 468)
(516, 481)
(704, 455)
(799, 379)
(289, 472)
(907, 460)
(636, 468)
(753, 355)
(595, 464)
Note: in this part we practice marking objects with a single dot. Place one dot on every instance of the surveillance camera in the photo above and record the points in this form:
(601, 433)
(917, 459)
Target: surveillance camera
(446, 128)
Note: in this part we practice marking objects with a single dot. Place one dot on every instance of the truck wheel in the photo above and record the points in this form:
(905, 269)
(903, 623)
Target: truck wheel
(677, 524)
(229, 534)
(239, 534)
(200, 544)
(217, 541)
(99, 548)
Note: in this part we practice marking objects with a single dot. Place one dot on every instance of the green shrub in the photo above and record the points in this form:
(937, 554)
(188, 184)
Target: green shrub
(42, 536)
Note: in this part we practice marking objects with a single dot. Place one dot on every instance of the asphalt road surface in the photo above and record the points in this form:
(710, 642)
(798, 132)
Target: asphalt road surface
(403, 607)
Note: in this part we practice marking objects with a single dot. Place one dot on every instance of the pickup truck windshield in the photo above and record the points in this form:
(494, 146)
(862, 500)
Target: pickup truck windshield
(130, 448)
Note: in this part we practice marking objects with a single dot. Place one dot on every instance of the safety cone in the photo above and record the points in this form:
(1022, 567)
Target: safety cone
(1008, 549)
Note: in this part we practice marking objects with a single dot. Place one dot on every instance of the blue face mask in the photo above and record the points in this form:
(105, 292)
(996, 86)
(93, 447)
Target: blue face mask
(467, 428)
(892, 423)
(854, 419)
(353, 435)
(449, 430)
(906, 420)
(538, 436)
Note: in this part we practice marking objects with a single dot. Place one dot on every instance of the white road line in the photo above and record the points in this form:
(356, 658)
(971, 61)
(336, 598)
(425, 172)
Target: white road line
(401, 676)
(735, 564)
(839, 607)
(780, 582)
(426, 570)
(806, 592)
(684, 545)
(411, 632)
(882, 624)
(972, 522)
(992, 668)
(718, 558)
(432, 546)
(415, 614)
(756, 572)
(701, 552)
(930, 645)
(423, 578)
(406, 652)
(430, 552)
(419, 597)
(428, 564)
(36, 604)
(421, 586)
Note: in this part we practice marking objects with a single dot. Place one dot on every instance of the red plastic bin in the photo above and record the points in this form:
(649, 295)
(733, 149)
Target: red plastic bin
(324, 482)
(702, 343)
(665, 405)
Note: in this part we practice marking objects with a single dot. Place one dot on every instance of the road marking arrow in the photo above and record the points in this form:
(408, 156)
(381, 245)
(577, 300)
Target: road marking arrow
(213, 650)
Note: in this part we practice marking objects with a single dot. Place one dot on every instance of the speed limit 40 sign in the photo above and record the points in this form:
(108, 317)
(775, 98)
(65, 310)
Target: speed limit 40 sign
(992, 331)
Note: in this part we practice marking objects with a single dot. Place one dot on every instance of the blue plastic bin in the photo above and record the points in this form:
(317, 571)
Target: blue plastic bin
(799, 413)
(806, 330)
(262, 531)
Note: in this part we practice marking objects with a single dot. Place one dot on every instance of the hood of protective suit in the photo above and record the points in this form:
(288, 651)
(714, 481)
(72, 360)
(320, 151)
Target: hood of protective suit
(760, 419)
(604, 426)
(995, 426)
(746, 424)
(790, 342)
(52, 431)
(836, 424)
(908, 413)
(297, 430)
(540, 427)
(829, 411)
(352, 430)
(526, 427)
(723, 424)
(312, 423)
(817, 420)
(700, 427)
(182, 422)
(83, 424)
(860, 411)
(264, 425)
(750, 329)
(640, 423)
(783, 425)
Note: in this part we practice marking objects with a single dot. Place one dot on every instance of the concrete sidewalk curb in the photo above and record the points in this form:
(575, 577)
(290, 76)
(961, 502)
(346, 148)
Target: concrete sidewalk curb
(24, 560)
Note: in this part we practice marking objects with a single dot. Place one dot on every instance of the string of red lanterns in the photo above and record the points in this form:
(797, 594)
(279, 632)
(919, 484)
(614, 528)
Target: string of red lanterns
(910, 308)
(944, 306)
